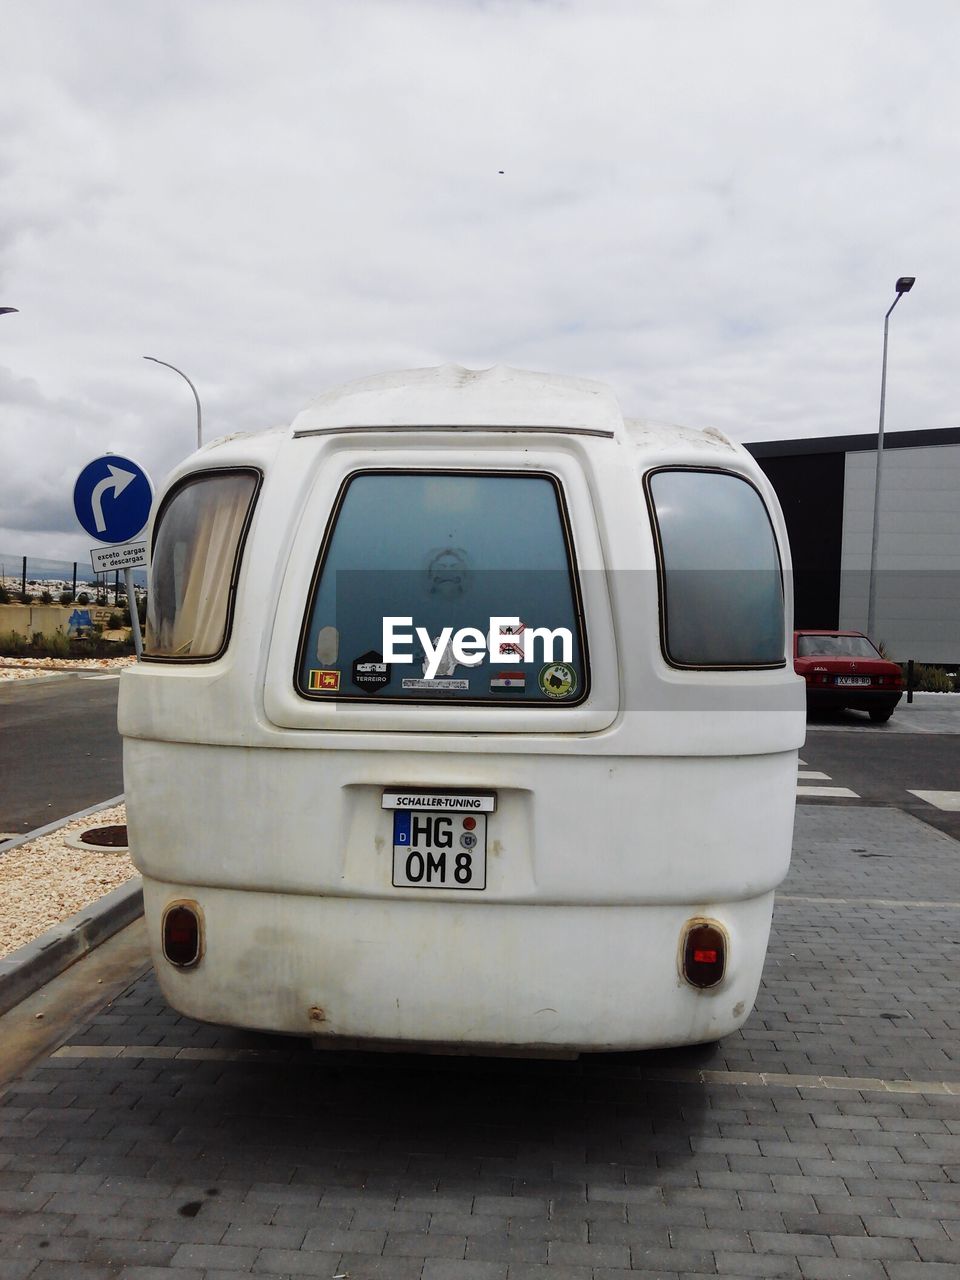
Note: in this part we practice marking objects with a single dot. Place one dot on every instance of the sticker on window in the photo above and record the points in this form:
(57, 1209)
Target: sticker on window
(447, 587)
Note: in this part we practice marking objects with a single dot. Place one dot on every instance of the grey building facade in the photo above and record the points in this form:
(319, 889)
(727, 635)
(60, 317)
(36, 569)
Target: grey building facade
(826, 486)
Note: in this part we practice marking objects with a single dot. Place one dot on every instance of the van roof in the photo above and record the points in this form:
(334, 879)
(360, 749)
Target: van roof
(452, 396)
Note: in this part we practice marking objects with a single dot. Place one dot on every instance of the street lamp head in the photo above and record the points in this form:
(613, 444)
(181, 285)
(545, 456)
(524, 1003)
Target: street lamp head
(5, 311)
(905, 284)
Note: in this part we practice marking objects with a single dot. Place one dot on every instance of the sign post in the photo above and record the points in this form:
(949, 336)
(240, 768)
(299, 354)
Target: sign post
(112, 498)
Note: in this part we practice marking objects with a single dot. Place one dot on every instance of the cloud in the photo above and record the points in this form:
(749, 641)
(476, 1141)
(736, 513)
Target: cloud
(705, 206)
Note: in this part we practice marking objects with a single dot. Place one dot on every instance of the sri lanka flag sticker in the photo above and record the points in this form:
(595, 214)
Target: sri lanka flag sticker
(324, 681)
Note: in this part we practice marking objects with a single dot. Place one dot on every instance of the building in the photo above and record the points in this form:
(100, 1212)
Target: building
(826, 486)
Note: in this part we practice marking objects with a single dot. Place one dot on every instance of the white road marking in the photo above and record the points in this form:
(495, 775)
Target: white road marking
(947, 800)
(801, 763)
(812, 776)
(696, 1075)
(835, 793)
(110, 675)
(924, 904)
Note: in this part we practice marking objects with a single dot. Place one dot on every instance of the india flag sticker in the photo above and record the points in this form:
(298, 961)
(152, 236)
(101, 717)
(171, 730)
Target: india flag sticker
(509, 680)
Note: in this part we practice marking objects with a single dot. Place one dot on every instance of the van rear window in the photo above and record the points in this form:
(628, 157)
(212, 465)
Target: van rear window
(197, 545)
(720, 579)
(437, 586)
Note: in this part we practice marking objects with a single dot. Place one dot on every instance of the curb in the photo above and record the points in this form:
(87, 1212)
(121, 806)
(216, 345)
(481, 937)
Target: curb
(33, 965)
(17, 841)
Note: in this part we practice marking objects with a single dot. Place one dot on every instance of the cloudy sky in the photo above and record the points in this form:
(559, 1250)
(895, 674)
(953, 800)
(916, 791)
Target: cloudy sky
(704, 204)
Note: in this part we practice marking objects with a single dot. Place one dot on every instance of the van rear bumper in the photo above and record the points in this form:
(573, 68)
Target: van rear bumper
(485, 974)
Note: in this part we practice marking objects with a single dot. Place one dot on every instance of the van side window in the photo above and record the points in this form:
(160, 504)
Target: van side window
(197, 545)
(447, 552)
(720, 578)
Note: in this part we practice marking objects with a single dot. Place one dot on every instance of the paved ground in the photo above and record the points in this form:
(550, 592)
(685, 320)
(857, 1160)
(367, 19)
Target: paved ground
(821, 1142)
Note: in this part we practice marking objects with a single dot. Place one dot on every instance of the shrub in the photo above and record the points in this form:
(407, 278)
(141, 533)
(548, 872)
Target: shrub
(115, 622)
(929, 679)
(13, 644)
(57, 646)
(4, 595)
(83, 598)
(66, 597)
(46, 597)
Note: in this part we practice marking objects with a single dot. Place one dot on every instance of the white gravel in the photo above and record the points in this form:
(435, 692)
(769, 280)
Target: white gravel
(26, 668)
(45, 881)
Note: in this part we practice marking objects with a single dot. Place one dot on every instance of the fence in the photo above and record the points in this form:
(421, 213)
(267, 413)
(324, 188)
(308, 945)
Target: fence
(36, 580)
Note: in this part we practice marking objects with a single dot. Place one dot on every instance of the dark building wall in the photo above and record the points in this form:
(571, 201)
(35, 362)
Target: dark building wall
(810, 489)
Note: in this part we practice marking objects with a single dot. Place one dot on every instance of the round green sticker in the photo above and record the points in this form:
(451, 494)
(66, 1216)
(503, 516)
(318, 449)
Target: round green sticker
(558, 680)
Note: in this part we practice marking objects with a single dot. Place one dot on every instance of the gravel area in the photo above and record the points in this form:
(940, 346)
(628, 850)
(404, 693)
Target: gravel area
(45, 881)
(25, 668)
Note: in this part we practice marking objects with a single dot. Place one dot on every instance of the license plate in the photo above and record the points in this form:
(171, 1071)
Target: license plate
(848, 680)
(439, 840)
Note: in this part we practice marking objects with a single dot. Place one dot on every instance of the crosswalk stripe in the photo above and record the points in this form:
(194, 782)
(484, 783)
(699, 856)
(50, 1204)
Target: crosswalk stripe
(835, 793)
(949, 801)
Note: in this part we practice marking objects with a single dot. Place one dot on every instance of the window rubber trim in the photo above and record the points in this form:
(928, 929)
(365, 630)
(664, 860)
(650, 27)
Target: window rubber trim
(662, 582)
(373, 699)
(192, 478)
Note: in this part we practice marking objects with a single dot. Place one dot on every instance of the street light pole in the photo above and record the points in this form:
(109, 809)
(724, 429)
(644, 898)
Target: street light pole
(190, 384)
(6, 311)
(903, 285)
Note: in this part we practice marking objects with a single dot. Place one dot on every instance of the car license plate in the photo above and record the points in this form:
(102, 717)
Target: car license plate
(848, 680)
(439, 839)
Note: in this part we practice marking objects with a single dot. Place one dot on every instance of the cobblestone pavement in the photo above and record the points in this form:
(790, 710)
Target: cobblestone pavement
(821, 1142)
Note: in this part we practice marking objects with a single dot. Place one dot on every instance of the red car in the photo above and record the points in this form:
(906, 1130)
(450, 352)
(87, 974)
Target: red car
(844, 669)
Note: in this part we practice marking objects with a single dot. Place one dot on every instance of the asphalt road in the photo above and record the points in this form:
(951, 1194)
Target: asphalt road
(59, 748)
(884, 765)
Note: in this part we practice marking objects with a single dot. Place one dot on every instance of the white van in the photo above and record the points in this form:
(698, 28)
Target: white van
(465, 717)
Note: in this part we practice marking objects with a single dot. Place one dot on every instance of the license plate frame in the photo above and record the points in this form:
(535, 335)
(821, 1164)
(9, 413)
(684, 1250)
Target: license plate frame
(439, 839)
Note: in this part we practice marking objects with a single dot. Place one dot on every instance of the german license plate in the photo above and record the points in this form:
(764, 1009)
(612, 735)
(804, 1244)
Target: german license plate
(848, 680)
(439, 839)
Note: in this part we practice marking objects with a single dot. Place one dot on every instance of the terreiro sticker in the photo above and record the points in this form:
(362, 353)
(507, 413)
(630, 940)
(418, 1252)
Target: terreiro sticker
(370, 672)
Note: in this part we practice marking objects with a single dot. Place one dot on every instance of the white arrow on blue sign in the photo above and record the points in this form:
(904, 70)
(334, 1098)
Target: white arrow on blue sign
(112, 498)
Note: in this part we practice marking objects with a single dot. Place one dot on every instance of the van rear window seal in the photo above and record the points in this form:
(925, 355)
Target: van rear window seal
(661, 572)
(192, 478)
(374, 700)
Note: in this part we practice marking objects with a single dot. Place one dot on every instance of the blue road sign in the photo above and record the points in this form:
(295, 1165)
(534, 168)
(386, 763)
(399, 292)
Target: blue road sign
(112, 498)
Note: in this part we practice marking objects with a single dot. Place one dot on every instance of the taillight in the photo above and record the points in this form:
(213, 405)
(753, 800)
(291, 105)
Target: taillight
(703, 953)
(182, 934)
